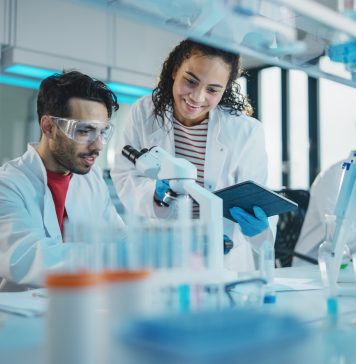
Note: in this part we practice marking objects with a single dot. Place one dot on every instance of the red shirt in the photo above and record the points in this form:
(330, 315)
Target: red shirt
(58, 184)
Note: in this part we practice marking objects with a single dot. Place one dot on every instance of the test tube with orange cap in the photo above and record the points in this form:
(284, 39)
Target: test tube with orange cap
(77, 329)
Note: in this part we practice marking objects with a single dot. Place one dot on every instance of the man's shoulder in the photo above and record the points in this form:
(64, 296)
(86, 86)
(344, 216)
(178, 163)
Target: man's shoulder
(19, 177)
(14, 169)
(327, 183)
(331, 176)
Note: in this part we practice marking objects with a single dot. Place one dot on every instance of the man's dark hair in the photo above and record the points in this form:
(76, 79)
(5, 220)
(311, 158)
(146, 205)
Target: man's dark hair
(232, 100)
(56, 91)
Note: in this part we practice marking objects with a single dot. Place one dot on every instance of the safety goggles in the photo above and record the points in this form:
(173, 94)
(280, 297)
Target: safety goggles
(85, 131)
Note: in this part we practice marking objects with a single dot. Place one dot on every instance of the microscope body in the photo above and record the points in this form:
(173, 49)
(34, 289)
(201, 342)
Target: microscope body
(156, 163)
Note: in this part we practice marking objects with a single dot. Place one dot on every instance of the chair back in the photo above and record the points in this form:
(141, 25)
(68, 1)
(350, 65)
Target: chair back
(289, 226)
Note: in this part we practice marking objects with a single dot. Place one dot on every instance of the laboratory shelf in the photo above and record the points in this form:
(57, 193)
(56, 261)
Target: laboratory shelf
(292, 34)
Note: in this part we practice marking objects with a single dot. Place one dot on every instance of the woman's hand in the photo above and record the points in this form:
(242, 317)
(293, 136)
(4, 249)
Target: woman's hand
(250, 224)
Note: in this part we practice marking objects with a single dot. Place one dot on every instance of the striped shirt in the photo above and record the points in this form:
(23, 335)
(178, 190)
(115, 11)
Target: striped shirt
(190, 144)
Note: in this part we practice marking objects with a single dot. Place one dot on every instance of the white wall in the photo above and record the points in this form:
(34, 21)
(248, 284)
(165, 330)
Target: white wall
(337, 122)
(3, 22)
(16, 115)
(59, 34)
(62, 28)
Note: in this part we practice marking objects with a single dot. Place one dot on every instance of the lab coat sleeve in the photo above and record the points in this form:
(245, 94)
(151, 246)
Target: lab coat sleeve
(110, 221)
(313, 228)
(251, 164)
(107, 215)
(25, 251)
(134, 190)
(255, 168)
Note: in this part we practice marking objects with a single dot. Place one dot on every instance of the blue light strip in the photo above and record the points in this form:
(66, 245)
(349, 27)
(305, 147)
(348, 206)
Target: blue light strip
(35, 85)
(126, 94)
(29, 71)
(129, 90)
(19, 82)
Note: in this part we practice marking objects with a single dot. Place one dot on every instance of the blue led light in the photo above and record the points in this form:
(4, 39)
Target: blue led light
(127, 94)
(33, 84)
(23, 70)
(130, 90)
(19, 82)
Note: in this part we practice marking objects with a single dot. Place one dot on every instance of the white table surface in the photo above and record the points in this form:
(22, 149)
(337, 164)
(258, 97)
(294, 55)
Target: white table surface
(22, 340)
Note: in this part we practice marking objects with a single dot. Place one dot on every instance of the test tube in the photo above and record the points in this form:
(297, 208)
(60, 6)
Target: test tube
(267, 267)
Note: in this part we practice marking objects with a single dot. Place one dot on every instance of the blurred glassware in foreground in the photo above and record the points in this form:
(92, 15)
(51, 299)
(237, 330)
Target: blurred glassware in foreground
(227, 336)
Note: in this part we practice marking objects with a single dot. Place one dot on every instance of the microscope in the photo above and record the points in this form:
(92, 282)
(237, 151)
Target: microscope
(156, 163)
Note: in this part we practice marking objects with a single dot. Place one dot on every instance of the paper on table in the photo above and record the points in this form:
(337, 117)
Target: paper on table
(27, 303)
(296, 284)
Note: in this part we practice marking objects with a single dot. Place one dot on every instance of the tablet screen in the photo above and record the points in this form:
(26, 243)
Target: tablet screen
(248, 194)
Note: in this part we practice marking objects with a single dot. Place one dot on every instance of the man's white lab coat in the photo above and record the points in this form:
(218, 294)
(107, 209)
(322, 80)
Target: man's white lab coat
(323, 196)
(30, 236)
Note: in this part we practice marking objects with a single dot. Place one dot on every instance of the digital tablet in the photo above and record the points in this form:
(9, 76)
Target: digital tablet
(248, 194)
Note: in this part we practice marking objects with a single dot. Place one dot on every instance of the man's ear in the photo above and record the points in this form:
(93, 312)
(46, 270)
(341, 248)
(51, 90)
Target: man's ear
(47, 126)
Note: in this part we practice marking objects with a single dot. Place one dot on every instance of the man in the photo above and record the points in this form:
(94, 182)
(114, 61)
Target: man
(323, 197)
(56, 180)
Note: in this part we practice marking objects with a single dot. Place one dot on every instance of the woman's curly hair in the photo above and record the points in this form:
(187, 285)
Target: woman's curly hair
(232, 100)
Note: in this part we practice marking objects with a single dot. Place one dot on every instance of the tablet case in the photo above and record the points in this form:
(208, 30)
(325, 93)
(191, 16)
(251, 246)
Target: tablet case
(248, 194)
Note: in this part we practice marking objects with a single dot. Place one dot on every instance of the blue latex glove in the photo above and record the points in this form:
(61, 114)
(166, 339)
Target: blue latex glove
(250, 225)
(162, 186)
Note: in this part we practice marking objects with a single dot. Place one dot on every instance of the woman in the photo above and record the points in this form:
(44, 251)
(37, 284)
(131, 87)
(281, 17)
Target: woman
(197, 112)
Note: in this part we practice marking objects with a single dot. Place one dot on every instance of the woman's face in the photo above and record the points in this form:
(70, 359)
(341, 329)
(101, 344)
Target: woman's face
(198, 86)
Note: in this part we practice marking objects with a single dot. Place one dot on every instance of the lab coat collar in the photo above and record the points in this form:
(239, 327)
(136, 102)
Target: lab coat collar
(164, 135)
(216, 151)
(215, 125)
(34, 161)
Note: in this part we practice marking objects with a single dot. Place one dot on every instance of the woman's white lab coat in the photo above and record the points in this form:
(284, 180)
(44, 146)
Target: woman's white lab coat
(235, 152)
(30, 237)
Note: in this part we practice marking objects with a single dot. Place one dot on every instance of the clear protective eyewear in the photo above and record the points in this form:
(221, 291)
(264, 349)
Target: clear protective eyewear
(85, 131)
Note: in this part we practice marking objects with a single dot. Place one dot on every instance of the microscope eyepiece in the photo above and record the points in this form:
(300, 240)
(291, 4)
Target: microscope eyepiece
(131, 153)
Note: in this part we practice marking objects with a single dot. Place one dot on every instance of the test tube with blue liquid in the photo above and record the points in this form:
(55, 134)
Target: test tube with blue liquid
(267, 267)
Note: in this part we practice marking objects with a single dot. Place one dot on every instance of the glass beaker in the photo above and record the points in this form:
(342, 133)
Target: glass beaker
(246, 293)
(328, 272)
(351, 246)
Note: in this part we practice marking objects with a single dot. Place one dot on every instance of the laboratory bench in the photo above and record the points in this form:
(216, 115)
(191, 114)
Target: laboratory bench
(23, 339)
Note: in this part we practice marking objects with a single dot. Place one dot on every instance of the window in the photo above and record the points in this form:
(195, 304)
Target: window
(298, 138)
(337, 122)
(270, 115)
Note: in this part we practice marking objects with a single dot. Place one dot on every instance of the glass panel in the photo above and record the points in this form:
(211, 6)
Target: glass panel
(298, 130)
(270, 106)
(337, 122)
